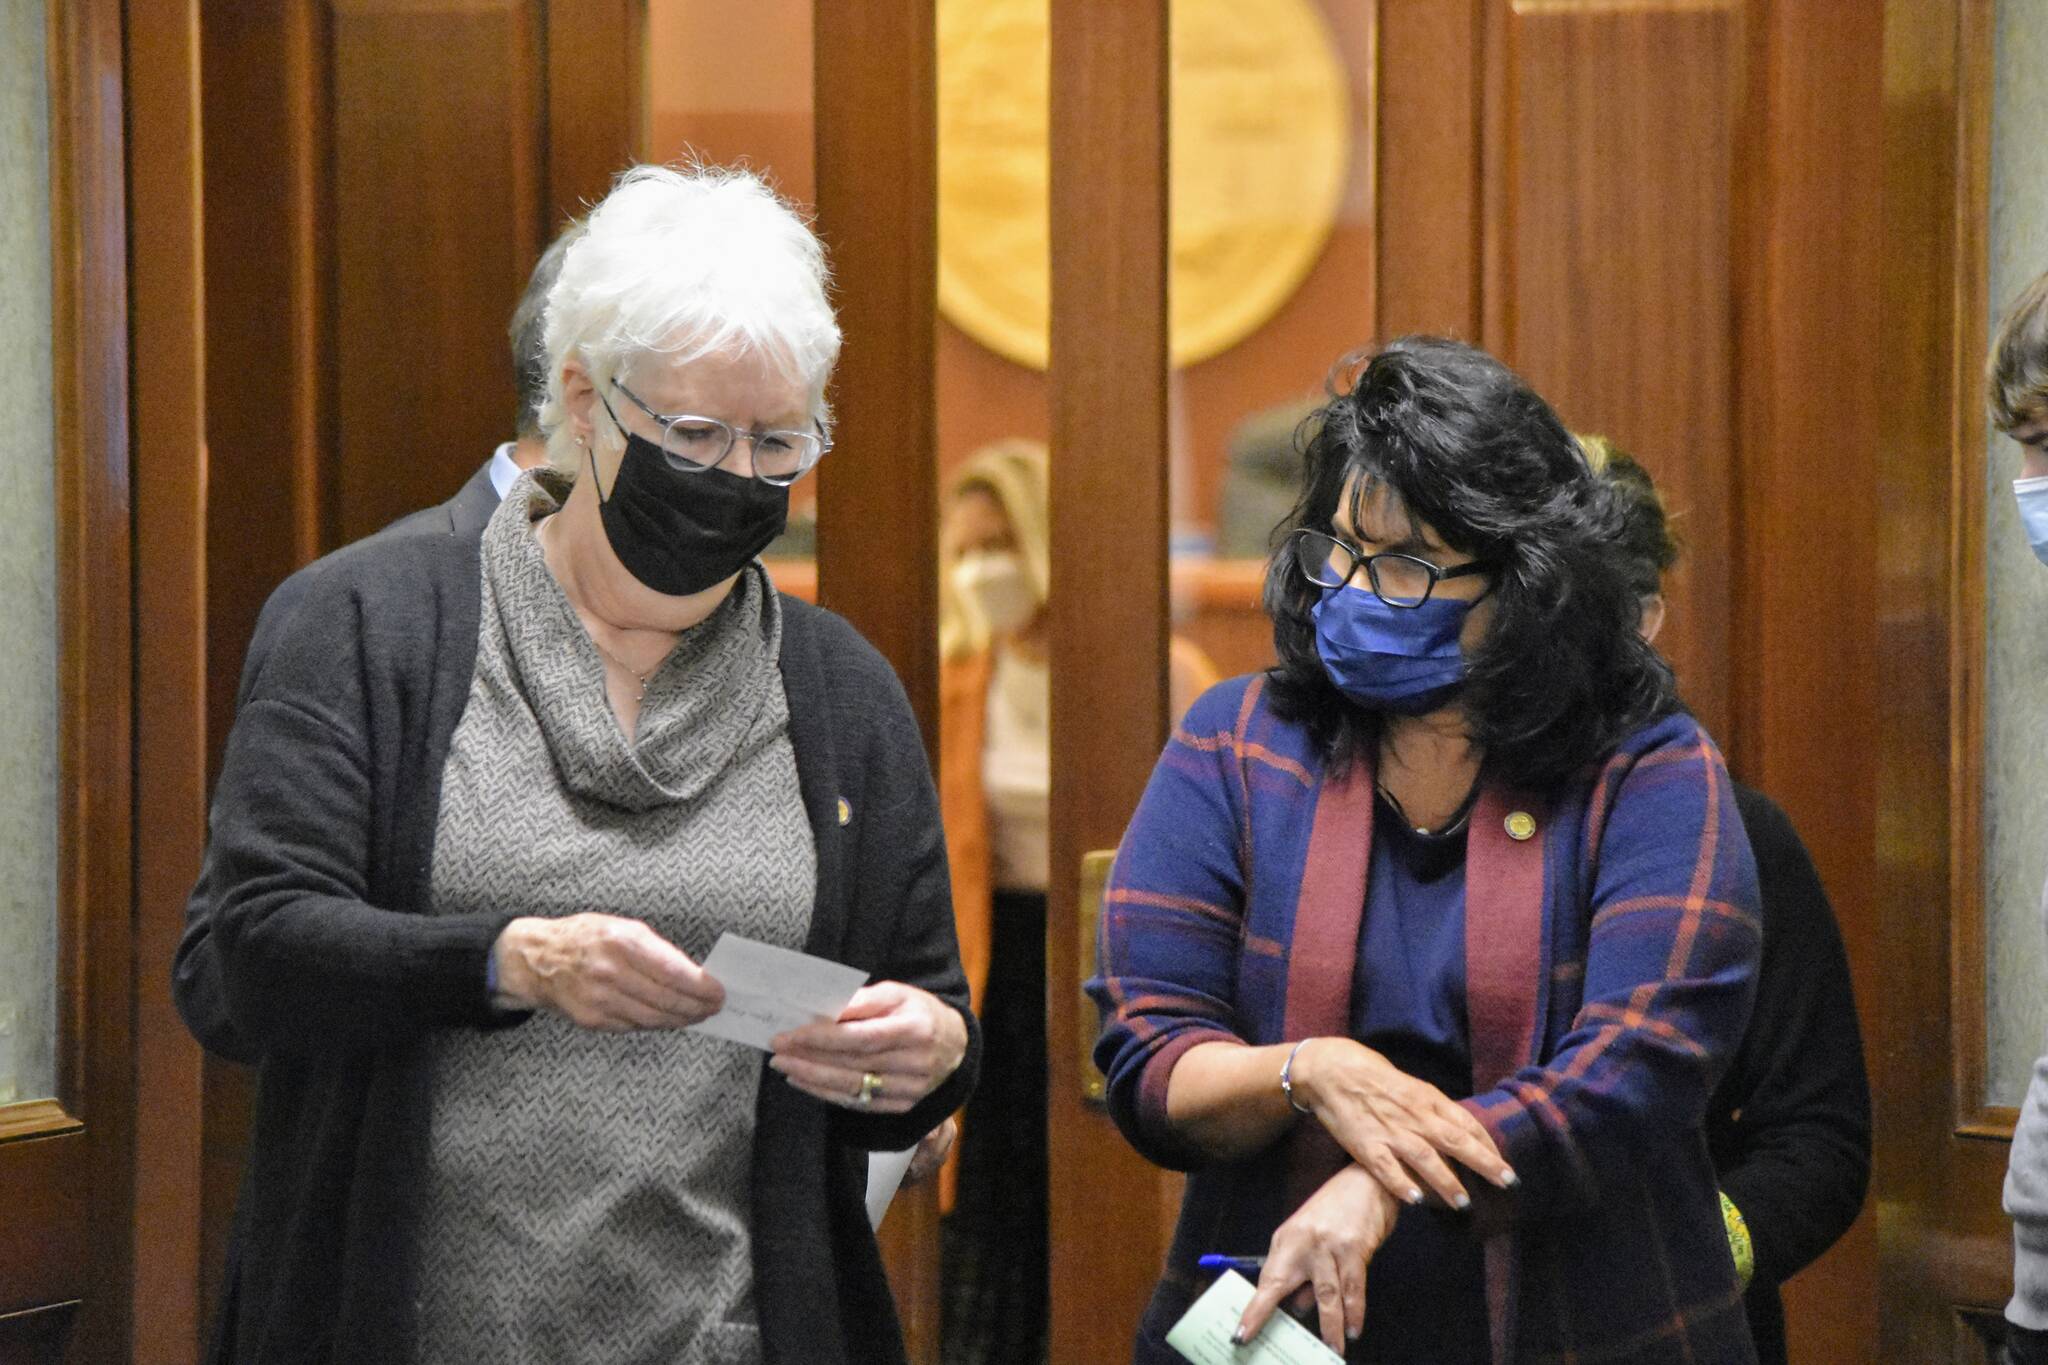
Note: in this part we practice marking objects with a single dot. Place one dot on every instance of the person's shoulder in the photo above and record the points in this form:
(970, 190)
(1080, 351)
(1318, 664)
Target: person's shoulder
(835, 641)
(384, 596)
(1671, 757)
(396, 562)
(1762, 816)
(1779, 850)
(1223, 706)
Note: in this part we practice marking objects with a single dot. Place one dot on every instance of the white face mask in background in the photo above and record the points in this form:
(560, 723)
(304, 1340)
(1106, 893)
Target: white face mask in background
(2033, 499)
(998, 588)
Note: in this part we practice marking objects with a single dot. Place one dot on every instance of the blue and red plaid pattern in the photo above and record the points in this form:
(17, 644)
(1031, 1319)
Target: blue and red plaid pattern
(1650, 936)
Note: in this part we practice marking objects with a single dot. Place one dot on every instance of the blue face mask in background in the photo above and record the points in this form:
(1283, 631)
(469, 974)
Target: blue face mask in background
(2033, 500)
(1400, 659)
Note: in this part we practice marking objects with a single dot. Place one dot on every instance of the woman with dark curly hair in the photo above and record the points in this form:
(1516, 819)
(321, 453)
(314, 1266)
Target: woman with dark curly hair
(1425, 949)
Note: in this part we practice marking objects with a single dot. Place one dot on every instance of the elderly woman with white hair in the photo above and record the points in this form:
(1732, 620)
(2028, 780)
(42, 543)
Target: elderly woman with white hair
(490, 804)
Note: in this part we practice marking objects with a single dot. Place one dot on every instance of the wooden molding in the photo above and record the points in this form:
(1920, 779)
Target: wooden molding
(36, 1119)
(1968, 642)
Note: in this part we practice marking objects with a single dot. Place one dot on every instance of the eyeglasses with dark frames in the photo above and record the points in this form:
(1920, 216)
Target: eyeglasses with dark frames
(1399, 580)
(693, 444)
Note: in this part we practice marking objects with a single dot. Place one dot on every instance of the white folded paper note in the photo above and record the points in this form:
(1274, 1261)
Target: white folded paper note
(770, 990)
(1203, 1333)
(885, 1175)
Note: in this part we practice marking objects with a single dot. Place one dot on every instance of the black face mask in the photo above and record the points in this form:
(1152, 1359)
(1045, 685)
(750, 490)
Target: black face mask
(680, 533)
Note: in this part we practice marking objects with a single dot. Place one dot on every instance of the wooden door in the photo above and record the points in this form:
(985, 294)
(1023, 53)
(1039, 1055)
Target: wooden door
(66, 1142)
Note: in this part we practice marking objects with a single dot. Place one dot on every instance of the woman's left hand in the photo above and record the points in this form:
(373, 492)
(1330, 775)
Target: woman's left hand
(1326, 1247)
(893, 1044)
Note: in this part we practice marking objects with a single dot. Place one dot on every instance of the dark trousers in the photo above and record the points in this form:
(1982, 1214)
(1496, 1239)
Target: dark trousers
(996, 1238)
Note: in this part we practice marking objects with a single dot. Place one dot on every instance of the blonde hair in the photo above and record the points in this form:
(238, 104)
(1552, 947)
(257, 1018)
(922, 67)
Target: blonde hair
(2016, 375)
(1647, 542)
(1013, 471)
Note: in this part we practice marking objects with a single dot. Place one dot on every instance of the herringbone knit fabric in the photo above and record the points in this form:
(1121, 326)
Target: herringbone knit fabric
(587, 1196)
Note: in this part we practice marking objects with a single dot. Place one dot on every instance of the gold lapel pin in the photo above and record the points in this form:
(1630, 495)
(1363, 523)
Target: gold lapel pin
(846, 813)
(1521, 826)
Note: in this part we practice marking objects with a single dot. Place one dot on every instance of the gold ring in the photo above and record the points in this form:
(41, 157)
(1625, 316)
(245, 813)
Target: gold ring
(870, 1086)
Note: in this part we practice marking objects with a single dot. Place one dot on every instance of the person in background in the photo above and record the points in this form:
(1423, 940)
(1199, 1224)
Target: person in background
(1424, 950)
(1789, 1125)
(488, 805)
(2017, 380)
(995, 765)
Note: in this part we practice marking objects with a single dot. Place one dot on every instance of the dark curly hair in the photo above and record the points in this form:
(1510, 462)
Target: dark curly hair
(1561, 676)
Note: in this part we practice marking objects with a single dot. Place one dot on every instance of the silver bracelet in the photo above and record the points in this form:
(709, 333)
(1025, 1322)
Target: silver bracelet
(1287, 1080)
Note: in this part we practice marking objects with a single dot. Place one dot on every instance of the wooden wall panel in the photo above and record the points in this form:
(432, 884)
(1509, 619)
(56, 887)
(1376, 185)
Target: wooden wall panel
(596, 102)
(1430, 69)
(1615, 287)
(1805, 636)
(270, 422)
(169, 394)
(438, 154)
(1109, 605)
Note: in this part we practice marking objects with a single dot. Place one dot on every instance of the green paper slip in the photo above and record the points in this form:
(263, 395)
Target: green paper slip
(1203, 1333)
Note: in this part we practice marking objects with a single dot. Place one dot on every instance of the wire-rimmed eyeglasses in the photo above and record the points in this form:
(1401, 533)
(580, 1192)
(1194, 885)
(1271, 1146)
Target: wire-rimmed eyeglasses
(1399, 580)
(693, 444)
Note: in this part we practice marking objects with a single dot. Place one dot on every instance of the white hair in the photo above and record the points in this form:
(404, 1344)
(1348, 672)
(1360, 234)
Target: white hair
(683, 264)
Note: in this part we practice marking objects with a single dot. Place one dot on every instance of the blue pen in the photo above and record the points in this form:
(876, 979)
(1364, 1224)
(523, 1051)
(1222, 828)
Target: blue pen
(1248, 1266)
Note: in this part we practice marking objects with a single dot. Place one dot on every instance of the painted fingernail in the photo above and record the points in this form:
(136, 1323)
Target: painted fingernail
(1414, 1196)
(1463, 1201)
(1510, 1181)
(1240, 1336)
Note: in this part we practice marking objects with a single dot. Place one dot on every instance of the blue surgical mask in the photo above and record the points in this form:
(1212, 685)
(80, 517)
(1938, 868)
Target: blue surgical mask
(1400, 659)
(2033, 500)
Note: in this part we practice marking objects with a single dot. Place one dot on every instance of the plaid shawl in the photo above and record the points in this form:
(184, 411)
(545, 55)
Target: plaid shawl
(1610, 965)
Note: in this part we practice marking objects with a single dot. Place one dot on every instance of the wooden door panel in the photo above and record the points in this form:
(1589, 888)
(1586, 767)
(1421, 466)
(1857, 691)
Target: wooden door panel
(1614, 287)
(438, 154)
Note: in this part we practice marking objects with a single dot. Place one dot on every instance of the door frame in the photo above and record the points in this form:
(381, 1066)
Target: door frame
(1945, 1246)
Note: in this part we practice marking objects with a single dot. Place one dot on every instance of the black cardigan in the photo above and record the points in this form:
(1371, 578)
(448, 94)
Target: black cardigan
(1789, 1127)
(308, 938)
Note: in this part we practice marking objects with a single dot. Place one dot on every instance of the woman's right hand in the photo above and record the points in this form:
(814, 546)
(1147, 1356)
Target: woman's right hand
(603, 972)
(1324, 1248)
(1395, 1126)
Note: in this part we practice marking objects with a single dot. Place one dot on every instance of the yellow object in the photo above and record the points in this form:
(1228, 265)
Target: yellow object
(1259, 135)
(845, 812)
(1738, 1241)
(1521, 826)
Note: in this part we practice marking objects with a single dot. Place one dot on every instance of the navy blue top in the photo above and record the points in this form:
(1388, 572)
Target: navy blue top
(1426, 1289)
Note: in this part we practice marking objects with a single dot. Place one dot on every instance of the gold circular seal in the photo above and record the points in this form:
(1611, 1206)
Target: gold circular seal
(1521, 825)
(1260, 139)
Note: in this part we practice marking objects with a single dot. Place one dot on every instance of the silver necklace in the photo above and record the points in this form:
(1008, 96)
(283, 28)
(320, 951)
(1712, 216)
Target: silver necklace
(638, 676)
